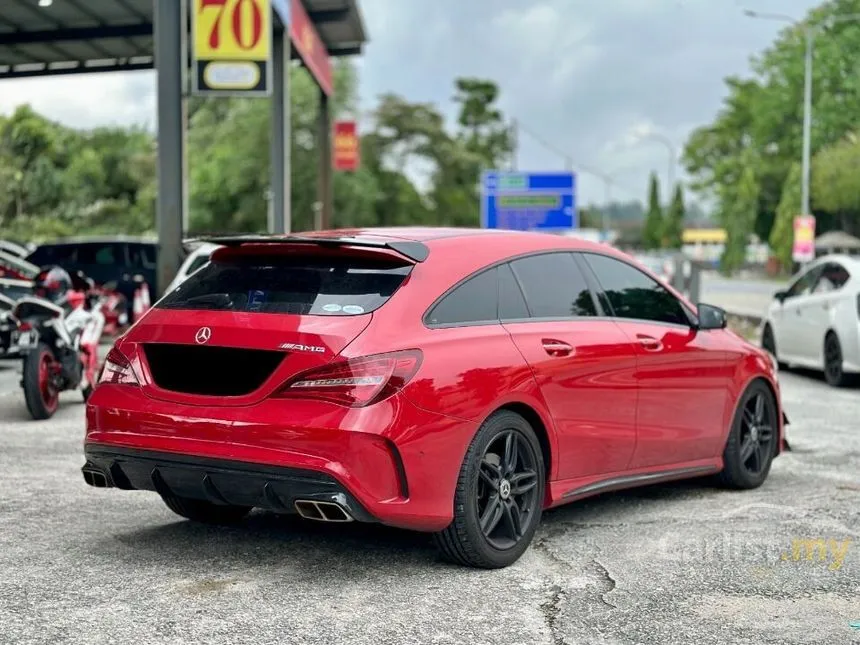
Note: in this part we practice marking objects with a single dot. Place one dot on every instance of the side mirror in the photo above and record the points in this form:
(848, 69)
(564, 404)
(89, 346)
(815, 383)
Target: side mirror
(781, 296)
(711, 317)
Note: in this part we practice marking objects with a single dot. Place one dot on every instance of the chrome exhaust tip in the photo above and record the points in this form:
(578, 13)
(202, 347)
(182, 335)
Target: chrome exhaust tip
(95, 477)
(322, 511)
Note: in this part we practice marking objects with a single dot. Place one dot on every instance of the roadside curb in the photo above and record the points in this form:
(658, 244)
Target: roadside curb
(748, 316)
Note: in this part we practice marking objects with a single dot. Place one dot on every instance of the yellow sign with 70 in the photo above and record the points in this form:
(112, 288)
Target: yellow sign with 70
(232, 46)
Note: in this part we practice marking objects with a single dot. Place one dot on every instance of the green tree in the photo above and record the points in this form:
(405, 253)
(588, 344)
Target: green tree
(782, 235)
(652, 235)
(836, 184)
(673, 227)
(764, 113)
(738, 218)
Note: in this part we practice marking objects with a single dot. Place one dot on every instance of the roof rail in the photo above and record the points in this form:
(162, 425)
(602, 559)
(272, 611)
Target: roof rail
(415, 251)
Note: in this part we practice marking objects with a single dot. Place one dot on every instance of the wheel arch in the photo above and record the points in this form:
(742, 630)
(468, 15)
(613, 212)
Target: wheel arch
(536, 421)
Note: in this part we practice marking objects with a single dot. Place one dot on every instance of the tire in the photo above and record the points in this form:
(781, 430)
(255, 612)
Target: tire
(833, 373)
(205, 512)
(768, 344)
(42, 401)
(513, 517)
(751, 423)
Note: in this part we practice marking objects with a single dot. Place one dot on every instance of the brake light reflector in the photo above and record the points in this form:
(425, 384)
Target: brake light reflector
(355, 382)
(117, 369)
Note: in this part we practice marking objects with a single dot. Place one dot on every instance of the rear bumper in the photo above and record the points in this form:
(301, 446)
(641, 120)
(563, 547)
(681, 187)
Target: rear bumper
(392, 462)
(219, 481)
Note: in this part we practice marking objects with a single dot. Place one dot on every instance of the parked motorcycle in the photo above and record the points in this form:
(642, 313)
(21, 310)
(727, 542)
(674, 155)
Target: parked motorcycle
(7, 324)
(58, 332)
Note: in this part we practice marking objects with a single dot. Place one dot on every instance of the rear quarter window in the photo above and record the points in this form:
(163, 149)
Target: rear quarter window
(474, 301)
(327, 286)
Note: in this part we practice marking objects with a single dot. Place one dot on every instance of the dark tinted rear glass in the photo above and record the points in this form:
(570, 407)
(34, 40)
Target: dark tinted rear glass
(554, 286)
(474, 301)
(301, 285)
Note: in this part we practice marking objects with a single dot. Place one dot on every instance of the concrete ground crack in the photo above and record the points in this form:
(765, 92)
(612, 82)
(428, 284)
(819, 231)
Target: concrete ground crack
(542, 547)
(551, 609)
(608, 582)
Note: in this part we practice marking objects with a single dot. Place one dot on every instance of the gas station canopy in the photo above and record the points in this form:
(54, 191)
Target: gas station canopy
(51, 37)
(54, 37)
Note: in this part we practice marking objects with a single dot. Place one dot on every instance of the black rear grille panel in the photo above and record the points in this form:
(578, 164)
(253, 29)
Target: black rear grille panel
(210, 371)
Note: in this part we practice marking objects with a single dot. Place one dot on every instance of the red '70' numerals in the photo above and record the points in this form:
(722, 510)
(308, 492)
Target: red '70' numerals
(236, 20)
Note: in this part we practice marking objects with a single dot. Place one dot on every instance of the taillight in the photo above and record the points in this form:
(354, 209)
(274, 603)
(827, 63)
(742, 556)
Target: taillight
(117, 369)
(24, 326)
(355, 382)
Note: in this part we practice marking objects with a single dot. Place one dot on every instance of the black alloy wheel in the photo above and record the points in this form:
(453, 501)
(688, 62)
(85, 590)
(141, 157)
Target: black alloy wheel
(505, 491)
(751, 446)
(833, 371)
(757, 433)
(499, 495)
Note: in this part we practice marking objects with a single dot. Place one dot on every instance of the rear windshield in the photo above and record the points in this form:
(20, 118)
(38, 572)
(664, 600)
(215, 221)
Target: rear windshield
(307, 285)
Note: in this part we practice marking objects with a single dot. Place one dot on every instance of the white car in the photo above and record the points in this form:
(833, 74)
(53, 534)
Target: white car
(815, 322)
(193, 261)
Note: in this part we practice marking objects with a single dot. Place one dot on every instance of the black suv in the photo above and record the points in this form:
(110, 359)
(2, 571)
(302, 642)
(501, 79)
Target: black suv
(104, 260)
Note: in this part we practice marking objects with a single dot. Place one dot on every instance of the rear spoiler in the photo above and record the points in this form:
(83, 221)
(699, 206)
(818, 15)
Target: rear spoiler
(415, 251)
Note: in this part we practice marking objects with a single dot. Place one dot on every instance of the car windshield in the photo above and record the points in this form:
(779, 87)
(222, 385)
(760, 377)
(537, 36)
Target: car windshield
(317, 286)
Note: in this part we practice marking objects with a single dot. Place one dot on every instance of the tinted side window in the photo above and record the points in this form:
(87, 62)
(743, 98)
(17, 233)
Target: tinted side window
(833, 277)
(52, 254)
(100, 254)
(804, 284)
(142, 255)
(476, 300)
(512, 305)
(554, 286)
(632, 294)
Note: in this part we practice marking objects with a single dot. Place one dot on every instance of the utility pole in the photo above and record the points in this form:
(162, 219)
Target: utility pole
(807, 123)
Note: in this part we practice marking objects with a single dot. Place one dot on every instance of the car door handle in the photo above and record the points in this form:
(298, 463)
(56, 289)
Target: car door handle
(556, 347)
(650, 343)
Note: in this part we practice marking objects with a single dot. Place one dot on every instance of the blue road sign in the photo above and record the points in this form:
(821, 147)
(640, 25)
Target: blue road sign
(525, 201)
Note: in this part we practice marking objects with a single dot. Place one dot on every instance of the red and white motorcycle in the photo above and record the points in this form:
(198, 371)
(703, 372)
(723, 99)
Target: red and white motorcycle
(59, 342)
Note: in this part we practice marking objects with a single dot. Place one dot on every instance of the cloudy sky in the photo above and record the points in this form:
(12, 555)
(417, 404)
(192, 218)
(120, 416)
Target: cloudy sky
(588, 76)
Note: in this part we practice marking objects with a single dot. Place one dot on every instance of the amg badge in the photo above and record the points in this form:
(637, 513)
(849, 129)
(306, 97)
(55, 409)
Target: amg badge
(303, 348)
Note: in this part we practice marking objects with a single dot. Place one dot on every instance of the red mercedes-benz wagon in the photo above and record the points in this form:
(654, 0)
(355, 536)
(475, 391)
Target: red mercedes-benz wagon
(444, 380)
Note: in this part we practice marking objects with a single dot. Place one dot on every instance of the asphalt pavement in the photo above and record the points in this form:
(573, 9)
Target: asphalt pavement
(685, 563)
(747, 296)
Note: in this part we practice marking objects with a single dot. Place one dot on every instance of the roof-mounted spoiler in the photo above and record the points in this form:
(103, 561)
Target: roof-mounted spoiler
(415, 251)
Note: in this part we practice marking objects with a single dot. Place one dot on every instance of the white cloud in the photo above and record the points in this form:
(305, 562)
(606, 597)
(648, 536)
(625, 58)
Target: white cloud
(86, 100)
(580, 73)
